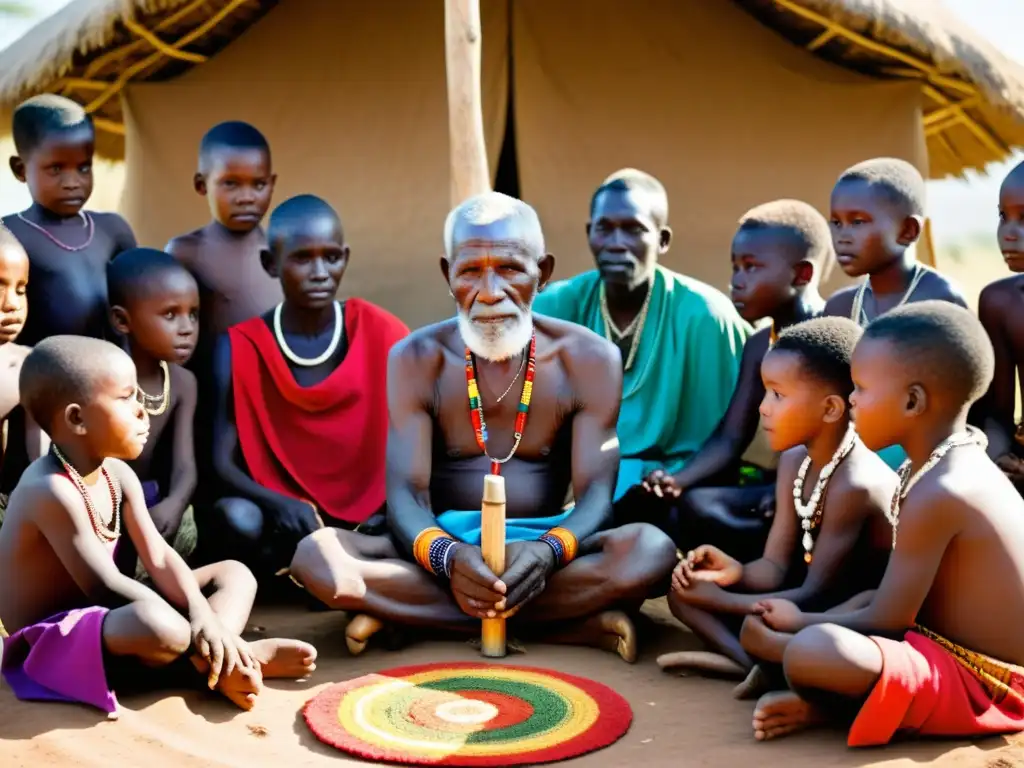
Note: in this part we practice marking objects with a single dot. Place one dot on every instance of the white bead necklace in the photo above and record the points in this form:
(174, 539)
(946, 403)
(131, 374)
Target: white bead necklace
(304, 361)
(809, 514)
(970, 436)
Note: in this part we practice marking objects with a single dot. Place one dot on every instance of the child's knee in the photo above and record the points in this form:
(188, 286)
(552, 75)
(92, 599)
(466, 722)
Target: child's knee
(811, 651)
(236, 577)
(751, 634)
(165, 635)
(241, 517)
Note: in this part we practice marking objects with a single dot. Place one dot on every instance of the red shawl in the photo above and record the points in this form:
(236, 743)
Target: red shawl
(324, 443)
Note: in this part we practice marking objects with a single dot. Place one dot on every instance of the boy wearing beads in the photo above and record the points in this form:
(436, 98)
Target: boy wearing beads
(301, 422)
(780, 253)
(936, 651)
(877, 215)
(831, 496)
(78, 626)
(154, 304)
(1000, 310)
(68, 247)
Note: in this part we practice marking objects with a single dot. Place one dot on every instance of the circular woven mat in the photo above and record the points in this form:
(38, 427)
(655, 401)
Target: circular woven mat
(468, 714)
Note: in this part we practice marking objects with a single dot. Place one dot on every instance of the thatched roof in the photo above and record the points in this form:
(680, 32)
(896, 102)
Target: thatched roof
(973, 95)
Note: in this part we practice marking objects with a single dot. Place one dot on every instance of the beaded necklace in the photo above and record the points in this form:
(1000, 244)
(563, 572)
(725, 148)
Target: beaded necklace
(857, 313)
(104, 532)
(970, 436)
(87, 222)
(634, 331)
(476, 408)
(810, 513)
(158, 403)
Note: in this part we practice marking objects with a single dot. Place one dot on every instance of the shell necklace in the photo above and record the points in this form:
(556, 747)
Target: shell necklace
(158, 403)
(634, 331)
(307, 362)
(810, 513)
(103, 531)
(970, 436)
(87, 222)
(860, 317)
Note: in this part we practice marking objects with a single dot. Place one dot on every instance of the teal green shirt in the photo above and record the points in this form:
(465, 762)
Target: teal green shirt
(683, 374)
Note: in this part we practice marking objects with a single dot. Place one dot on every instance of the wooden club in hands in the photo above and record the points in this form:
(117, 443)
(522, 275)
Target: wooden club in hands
(492, 546)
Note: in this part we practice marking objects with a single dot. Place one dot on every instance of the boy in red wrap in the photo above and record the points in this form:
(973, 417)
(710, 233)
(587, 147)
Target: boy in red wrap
(301, 425)
(955, 579)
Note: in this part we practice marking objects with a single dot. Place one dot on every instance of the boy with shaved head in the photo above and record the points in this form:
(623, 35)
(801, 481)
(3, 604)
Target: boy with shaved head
(499, 390)
(679, 340)
(301, 415)
(78, 626)
(877, 215)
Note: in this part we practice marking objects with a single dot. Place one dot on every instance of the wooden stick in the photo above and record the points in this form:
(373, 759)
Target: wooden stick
(492, 545)
(470, 174)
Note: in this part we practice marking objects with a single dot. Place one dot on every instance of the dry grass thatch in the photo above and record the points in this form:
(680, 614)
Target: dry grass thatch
(973, 95)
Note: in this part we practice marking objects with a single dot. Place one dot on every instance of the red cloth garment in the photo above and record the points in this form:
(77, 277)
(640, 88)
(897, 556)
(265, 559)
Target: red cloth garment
(931, 687)
(324, 443)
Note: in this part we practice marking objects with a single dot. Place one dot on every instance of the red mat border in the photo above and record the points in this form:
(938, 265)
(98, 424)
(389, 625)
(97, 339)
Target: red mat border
(614, 718)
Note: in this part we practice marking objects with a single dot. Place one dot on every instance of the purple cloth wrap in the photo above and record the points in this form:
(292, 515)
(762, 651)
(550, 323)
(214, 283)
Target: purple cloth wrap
(60, 659)
(151, 492)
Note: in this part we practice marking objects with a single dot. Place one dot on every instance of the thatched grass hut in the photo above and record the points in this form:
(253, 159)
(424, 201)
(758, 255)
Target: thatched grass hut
(729, 103)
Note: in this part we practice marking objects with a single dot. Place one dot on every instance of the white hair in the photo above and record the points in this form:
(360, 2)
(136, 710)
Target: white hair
(490, 208)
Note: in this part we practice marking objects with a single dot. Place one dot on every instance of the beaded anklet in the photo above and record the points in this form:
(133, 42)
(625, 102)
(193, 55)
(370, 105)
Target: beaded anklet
(564, 544)
(433, 549)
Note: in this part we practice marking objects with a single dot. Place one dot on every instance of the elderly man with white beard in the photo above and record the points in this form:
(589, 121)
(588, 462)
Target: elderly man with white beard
(497, 390)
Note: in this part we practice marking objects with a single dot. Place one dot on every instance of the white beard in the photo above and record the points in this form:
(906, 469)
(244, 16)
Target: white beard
(496, 341)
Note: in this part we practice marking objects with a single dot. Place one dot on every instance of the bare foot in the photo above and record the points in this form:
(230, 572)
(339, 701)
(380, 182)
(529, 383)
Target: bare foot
(610, 631)
(289, 659)
(713, 663)
(782, 713)
(755, 684)
(241, 687)
(359, 631)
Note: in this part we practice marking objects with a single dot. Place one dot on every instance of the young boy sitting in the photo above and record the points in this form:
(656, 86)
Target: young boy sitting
(57, 544)
(780, 253)
(68, 247)
(999, 309)
(831, 498)
(13, 309)
(955, 579)
(877, 214)
(154, 303)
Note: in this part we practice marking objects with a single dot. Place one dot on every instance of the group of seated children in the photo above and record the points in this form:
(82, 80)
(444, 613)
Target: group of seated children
(321, 439)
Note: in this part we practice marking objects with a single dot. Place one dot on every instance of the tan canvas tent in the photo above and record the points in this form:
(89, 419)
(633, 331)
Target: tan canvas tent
(730, 103)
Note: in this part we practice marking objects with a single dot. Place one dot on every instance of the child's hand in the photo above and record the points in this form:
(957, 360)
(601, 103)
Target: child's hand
(166, 520)
(708, 563)
(223, 651)
(661, 484)
(780, 615)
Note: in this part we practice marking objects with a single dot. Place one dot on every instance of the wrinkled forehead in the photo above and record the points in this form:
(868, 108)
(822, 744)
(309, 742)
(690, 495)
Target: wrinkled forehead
(506, 238)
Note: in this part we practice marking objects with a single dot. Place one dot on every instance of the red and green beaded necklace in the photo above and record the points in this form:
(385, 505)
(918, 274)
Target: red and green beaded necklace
(476, 408)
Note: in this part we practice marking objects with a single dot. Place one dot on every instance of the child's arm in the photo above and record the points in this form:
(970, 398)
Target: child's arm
(768, 572)
(739, 425)
(37, 442)
(176, 582)
(167, 513)
(124, 238)
(1000, 401)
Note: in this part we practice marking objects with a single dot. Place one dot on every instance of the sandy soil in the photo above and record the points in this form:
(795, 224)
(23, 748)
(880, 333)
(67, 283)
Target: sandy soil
(691, 721)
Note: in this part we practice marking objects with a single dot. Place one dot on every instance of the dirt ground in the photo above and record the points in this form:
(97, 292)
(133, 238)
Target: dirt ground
(677, 721)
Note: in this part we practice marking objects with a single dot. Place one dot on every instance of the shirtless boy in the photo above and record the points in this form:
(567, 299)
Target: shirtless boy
(568, 570)
(13, 310)
(955, 578)
(301, 423)
(831, 498)
(780, 254)
(77, 624)
(68, 247)
(154, 303)
(1000, 310)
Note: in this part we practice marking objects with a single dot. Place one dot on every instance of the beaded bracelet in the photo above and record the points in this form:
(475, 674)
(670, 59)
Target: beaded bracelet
(564, 544)
(431, 549)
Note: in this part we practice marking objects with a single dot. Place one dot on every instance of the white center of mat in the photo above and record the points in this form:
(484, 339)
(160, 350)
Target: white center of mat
(466, 711)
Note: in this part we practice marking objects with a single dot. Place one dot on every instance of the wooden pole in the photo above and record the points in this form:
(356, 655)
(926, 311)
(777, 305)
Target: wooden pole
(468, 151)
(492, 545)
